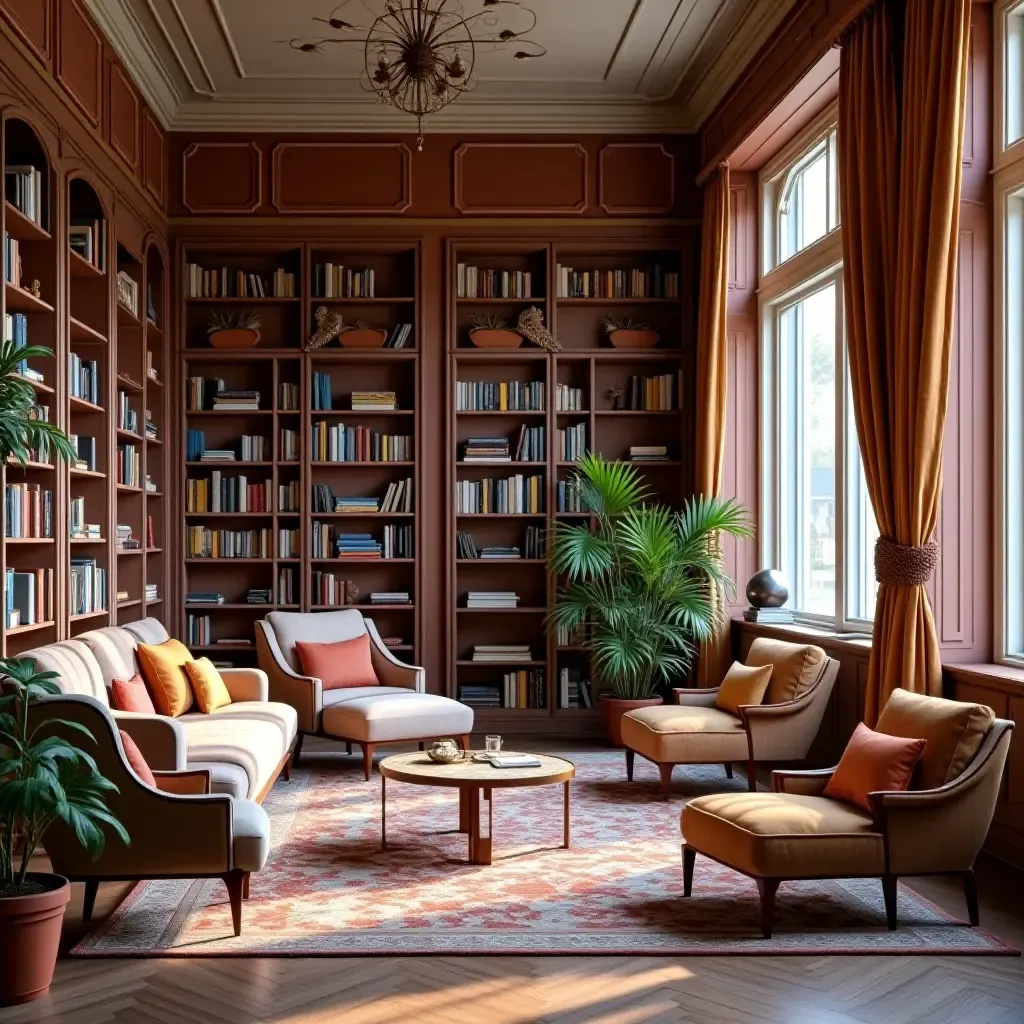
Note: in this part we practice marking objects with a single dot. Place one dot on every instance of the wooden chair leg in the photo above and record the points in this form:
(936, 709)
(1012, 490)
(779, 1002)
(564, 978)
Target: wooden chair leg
(889, 894)
(630, 755)
(286, 769)
(245, 885)
(235, 882)
(689, 859)
(421, 744)
(971, 895)
(767, 887)
(665, 770)
(297, 749)
(89, 899)
(348, 747)
(728, 770)
(367, 760)
(752, 776)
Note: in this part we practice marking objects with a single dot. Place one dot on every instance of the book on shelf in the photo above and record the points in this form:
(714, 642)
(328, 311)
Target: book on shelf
(28, 511)
(125, 539)
(486, 450)
(197, 630)
(12, 260)
(127, 417)
(236, 400)
(203, 542)
(87, 237)
(128, 292)
(16, 334)
(531, 446)
(390, 597)
(287, 397)
(221, 493)
(524, 689)
(28, 597)
(222, 282)
(83, 378)
(336, 281)
(288, 445)
(572, 442)
(287, 591)
(374, 401)
(204, 597)
(492, 599)
(150, 533)
(629, 283)
(499, 396)
(322, 399)
(288, 496)
(573, 691)
(778, 616)
(288, 542)
(399, 336)
(23, 189)
(568, 399)
(534, 546)
(340, 443)
(358, 545)
(78, 528)
(479, 283)
(648, 453)
(151, 427)
(568, 497)
(516, 495)
(398, 496)
(152, 593)
(570, 636)
(502, 653)
(480, 695)
(151, 371)
(129, 465)
(121, 596)
(648, 394)
(328, 589)
(151, 315)
(86, 449)
(259, 595)
(392, 641)
(88, 586)
(150, 485)
(356, 505)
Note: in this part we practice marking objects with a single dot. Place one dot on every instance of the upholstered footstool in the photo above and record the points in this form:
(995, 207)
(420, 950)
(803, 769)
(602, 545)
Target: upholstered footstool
(371, 715)
(671, 734)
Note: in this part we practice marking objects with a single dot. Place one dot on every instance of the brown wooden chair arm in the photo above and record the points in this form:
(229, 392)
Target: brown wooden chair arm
(811, 782)
(704, 698)
(193, 782)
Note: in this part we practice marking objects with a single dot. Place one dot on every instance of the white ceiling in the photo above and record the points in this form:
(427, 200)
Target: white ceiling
(611, 65)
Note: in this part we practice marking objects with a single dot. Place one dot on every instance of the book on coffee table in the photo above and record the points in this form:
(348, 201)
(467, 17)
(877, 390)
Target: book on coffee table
(514, 761)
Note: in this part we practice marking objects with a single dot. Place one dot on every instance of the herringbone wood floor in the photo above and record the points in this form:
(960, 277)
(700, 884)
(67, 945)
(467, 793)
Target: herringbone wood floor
(517, 990)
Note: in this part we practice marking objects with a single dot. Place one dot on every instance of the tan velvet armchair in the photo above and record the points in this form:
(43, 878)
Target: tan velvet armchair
(781, 729)
(178, 830)
(795, 832)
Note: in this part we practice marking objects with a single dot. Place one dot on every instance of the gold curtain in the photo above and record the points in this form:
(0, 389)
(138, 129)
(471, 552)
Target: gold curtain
(711, 383)
(899, 170)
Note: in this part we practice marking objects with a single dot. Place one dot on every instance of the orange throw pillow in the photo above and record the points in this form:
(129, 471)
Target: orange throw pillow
(163, 669)
(131, 695)
(208, 685)
(339, 665)
(743, 684)
(873, 761)
(134, 757)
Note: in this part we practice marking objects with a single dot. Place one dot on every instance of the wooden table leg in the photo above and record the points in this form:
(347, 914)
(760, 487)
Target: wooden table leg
(383, 813)
(464, 808)
(566, 827)
(479, 846)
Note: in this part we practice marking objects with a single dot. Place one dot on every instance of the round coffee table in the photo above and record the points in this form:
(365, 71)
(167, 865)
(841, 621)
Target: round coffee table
(471, 778)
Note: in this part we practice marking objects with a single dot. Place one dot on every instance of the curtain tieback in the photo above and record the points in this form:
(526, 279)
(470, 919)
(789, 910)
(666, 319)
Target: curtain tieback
(902, 565)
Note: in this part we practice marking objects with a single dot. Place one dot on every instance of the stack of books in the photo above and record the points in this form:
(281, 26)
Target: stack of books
(204, 597)
(28, 597)
(356, 505)
(492, 599)
(572, 442)
(778, 616)
(398, 496)
(259, 595)
(79, 528)
(124, 539)
(217, 455)
(517, 495)
(500, 552)
(648, 453)
(531, 447)
(524, 689)
(236, 400)
(573, 692)
(480, 695)
(503, 396)
(568, 399)
(486, 450)
(152, 593)
(390, 597)
(357, 545)
(151, 428)
(374, 401)
(23, 189)
(502, 654)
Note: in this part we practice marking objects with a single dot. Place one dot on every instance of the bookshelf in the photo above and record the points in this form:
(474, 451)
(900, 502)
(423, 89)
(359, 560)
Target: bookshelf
(586, 391)
(316, 447)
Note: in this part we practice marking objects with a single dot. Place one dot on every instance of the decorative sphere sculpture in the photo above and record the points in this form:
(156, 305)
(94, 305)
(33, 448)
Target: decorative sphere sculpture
(768, 588)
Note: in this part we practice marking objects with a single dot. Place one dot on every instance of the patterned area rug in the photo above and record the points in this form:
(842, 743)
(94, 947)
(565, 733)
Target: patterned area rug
(328, 888)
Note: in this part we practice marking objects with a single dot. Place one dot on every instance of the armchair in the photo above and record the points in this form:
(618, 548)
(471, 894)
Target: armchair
(397, 710)
(178, 830)
(695, 731)
(796, 832)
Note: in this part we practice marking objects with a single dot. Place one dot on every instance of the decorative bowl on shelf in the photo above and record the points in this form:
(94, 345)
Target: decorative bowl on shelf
(629, 333)
(443, 751)
(495, 337)
(234, 337)
(362, 337)
(231, 328)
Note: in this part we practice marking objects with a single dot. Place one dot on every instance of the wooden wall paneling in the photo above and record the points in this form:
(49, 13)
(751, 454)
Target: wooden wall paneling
(222, 177)
(123, 116)
(341, 177)
(525, 178)
(636, 178)
(154, 158)
(80, 59)
(32, 20)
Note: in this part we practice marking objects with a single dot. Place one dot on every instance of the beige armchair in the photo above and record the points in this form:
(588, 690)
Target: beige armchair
(396, 711)
(178, 830)
(795, 832)
(695, 731)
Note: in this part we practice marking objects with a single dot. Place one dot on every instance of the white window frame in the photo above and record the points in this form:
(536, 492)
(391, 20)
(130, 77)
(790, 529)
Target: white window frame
(781, 285)
(1008, 105)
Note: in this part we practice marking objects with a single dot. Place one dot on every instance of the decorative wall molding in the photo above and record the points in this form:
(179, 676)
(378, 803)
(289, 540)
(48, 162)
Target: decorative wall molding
(123, 116)
(80, 60)
(515, 177)
(154, 157)
(32, 20)
(210, 170)
(628, 173)
(314, 178)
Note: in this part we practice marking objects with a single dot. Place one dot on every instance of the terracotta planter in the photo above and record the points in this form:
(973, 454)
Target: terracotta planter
(29, 937)
(485, 337)
(633, 339)
(363, 337)
(612, 710)
(236, 337)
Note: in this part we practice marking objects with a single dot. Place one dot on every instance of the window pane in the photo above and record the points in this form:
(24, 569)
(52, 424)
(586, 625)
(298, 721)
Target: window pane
(861, 584)
(1013, 129)
(804, 212)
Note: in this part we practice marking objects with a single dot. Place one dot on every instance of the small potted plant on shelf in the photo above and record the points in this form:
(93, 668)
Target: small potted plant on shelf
(359, 335)
(642, 580)
(234, 328)
(490, 331)
(625, 332)
(45, 778)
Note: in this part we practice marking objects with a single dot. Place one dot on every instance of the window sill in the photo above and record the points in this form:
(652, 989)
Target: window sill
(1004, 678)
(801, 632)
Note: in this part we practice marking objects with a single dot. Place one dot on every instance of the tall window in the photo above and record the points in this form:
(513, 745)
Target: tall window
(818, 526)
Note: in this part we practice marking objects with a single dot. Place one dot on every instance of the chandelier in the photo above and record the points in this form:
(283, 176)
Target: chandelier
(420, 55)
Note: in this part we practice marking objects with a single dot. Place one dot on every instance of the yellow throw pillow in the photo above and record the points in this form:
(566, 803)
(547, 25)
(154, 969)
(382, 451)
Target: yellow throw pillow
(162, 667)
(207, 685)
(743, 684)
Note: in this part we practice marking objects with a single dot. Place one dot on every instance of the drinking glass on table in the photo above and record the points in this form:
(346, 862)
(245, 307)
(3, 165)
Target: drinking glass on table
(492, 745)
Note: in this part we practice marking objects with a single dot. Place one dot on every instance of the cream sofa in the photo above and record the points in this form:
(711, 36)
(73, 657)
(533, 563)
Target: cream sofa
(396, 711)
(244, 746)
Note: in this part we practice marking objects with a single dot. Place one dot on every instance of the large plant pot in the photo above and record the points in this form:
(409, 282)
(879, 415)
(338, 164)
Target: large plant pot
(363, 337)
(623, 338)
(29, 937)
(235, 337)
(485, 337)
(612, 710)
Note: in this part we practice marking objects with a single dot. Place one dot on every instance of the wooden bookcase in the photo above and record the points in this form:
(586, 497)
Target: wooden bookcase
(589, 363)
(280, 357)
(77, 314)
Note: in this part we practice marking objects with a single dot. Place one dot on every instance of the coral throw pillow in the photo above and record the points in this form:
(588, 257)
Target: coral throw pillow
(873, 761)
(743, 684)
(134, 757)
(208, 685)
(339, 665)
(163, 669)
(131, 695)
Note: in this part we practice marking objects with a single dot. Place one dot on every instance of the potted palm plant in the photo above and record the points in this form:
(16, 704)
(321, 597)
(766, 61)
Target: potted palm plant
(640, 582)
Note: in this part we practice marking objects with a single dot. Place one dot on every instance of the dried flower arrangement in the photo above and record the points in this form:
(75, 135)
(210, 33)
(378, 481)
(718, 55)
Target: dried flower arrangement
(531, 326)
(328, 327)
